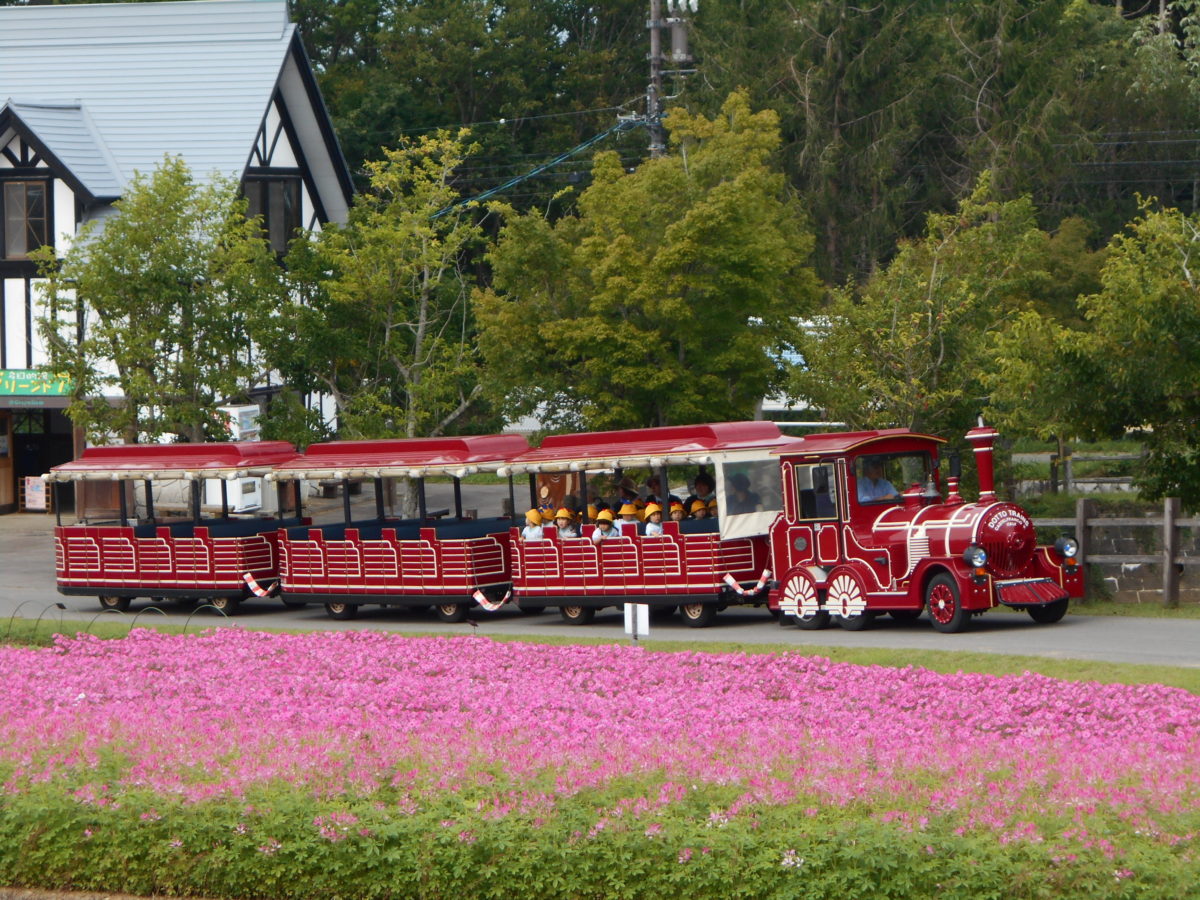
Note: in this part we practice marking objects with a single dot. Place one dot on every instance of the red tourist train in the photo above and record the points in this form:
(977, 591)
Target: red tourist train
(825, 528)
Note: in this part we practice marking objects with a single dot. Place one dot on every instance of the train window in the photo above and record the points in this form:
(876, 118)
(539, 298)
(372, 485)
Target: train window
(883, 477)
(752, 487)
(817, 491)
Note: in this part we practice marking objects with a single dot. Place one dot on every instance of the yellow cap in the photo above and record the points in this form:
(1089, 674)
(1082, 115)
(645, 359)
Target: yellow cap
(652, 508)
(547, 516)
(605, 515)
(698, 504)
(564, 513)
(628, 509)
(533, 517)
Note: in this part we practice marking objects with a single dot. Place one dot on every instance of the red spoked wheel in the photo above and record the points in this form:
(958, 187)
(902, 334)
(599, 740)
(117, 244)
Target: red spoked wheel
(846, 598)
(945, 607)
(801, 602)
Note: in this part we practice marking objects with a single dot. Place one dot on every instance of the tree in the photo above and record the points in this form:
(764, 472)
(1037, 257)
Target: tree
(1135, 362)
(667, 298)
(379, 314)
(909, 348)
(153, 303)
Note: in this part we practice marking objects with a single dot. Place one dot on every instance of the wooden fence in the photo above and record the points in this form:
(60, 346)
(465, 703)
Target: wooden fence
(1168, 557)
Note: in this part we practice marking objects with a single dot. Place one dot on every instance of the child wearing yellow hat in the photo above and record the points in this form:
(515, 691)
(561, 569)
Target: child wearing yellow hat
(604, 527)
(628, 512)
(564, 521)
(653, 519)
(678, 513)
(533, 526)
(699, 509)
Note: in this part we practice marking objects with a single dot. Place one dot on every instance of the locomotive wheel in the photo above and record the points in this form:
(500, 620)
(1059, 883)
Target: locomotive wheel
(698, 615)
(800, 593)
(451, 612)
(118, 603)
(1050, 613)
(906, 615)
(945, 608)
(577, 615)
(227, 605)
(846, 599)
(813, 621)
(341, 611)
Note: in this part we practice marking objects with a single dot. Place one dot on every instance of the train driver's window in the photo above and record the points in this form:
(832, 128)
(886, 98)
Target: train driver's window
(817, 491)
(883, 477)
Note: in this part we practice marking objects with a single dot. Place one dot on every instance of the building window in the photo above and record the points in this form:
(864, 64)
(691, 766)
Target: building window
(277, 200)
(24, 223)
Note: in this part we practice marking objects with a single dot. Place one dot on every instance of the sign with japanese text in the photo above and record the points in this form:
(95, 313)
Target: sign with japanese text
(32, 383)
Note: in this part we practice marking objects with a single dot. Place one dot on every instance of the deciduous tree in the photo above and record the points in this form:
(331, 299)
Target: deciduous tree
(153, 303)
(667, 298)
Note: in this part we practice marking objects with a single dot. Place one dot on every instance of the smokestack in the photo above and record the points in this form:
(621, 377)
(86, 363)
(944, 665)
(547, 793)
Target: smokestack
(982, 438)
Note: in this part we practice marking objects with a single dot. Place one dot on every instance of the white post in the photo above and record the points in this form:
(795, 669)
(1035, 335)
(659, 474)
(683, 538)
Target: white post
(637, 620)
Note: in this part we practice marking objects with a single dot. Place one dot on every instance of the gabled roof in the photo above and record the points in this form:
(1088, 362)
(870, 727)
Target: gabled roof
(65, 132)
(188, 78)
(173, 461)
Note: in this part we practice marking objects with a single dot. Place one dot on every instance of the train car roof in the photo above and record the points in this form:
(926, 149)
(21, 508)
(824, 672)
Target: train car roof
(847, 441)
(138, 462)
(670, 445)
(414, 457)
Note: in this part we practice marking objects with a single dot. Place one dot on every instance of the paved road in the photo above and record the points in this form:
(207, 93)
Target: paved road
(27, 590)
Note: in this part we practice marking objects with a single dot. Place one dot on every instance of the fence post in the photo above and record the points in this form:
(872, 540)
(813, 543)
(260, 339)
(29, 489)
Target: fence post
(1083, 509)
(1170, 549)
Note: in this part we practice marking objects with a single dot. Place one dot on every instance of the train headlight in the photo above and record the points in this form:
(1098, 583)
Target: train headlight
(975, 557)
(1067, 548)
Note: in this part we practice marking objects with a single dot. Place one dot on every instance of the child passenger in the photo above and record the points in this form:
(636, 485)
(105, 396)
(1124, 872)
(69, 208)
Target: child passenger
(533, 526)
(653, 519)
(565, 523)
(699, 509)
(678, 513)
(628, 513)
(604, 527)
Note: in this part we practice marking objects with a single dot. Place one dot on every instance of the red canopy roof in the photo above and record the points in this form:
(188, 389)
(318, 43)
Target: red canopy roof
(445, 455)
(139, 461)
(674, 444)
(845, 441)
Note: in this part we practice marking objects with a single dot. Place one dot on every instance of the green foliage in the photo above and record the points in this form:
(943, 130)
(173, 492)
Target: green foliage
(908, 348)
(1133, 364)
(379, 316)
(164, 292)
(667, 299)
(441, 845)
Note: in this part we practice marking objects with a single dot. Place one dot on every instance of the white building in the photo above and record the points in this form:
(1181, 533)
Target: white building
(91, 94)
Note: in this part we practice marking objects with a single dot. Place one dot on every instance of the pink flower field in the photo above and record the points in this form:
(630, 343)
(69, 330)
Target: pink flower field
(519, 728)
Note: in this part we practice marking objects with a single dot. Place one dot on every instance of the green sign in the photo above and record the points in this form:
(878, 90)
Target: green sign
(32, 383)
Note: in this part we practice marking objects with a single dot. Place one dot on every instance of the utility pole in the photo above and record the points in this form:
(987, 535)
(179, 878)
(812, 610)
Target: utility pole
(677, 23)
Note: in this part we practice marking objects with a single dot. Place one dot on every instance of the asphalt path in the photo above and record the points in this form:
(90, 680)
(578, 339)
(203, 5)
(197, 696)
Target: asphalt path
(27, 591)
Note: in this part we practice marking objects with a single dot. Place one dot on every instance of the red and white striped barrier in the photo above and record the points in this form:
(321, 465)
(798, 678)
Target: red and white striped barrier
(257, 589)
(491, 605)
(744, 592)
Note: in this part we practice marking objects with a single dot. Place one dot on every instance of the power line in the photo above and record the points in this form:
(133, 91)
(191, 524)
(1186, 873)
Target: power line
(621, 125)
(513, 121)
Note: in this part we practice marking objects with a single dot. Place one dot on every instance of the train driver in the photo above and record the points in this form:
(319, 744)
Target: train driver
(872, 485)
(533, 526)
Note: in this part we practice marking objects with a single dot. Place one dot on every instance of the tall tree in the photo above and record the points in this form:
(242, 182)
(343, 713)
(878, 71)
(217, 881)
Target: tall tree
(1135, 362)
(153, 304)
(380, 315)
(909, 347)
(667, 298)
